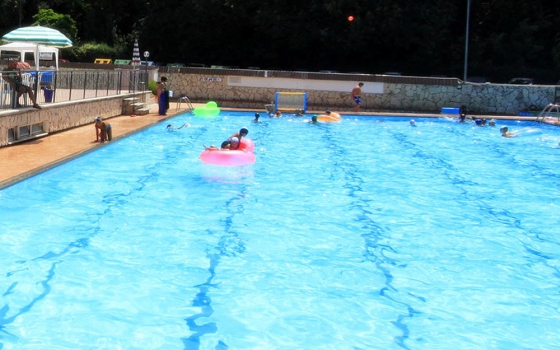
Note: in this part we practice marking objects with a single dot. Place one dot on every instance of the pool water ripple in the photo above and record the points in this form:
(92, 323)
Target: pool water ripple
(363, 234)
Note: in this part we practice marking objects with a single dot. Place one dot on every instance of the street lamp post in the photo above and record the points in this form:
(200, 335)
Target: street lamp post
(467, 40)
(146, 55)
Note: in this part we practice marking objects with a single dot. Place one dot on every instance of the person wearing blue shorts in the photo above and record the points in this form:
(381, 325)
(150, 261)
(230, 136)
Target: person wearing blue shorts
(103, 131)
(357, 96)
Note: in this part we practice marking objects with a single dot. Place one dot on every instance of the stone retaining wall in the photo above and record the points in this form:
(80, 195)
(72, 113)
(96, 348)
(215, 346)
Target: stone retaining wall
(230, 88)
(255, 89)
(62, 116)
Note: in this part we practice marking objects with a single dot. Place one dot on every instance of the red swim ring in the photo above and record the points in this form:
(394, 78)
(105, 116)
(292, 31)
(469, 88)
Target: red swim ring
(243, 155)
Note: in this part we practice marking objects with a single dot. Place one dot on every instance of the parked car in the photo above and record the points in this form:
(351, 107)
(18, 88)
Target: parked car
(197, 65)
(480, 80)
(521, 81)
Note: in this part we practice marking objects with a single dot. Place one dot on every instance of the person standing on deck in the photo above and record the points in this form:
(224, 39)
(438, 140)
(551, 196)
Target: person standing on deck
(163, 96)
(357, 96)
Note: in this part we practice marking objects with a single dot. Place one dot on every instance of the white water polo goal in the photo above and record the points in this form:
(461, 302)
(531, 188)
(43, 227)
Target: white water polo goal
(290, 101)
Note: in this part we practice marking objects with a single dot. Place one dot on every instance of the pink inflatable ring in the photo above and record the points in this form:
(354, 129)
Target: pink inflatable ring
(241, 156)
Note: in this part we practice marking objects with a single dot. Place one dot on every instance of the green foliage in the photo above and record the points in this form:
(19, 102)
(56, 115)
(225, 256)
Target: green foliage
(507, 37)
(64, 23)
(152, 86)
(88, 52)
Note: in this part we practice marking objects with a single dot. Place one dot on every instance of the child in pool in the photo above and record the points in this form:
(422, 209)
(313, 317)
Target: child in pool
(226, 145)
(239, 135)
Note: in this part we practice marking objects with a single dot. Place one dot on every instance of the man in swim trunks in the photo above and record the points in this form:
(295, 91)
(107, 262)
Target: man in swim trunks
(357, 96)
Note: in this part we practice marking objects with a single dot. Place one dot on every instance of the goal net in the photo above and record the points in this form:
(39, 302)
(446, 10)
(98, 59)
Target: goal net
(290, 101)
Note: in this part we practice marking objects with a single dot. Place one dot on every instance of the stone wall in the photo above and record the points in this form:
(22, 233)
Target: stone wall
(254, 89)
(230, 88)
(62, 116)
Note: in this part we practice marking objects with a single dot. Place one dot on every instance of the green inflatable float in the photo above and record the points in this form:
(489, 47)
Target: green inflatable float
(210, 110)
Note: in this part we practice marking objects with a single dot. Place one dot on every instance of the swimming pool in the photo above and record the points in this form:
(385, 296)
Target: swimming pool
(365, 234)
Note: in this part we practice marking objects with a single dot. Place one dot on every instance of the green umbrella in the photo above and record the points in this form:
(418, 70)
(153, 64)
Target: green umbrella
(38, 35)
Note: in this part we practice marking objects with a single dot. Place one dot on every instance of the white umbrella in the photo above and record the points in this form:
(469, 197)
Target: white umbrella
(38, 35)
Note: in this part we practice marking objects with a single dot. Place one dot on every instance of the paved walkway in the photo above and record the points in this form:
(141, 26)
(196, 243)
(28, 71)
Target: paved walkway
(22, 160)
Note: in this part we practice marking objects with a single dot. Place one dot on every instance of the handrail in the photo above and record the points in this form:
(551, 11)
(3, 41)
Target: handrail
(546, 115)
(187, 101)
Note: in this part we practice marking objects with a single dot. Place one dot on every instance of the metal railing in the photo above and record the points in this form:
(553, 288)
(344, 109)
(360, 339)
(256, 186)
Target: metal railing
(184, 99)
(52, 86)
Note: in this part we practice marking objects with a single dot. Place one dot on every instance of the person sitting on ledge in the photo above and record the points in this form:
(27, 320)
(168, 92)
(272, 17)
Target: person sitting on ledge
(13, 76)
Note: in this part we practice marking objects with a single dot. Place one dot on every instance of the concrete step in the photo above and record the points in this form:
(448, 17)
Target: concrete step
(130, 100)
(143, 111)
(133, 108)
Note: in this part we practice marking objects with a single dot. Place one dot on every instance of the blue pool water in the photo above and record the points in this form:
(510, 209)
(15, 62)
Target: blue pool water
(365, 234)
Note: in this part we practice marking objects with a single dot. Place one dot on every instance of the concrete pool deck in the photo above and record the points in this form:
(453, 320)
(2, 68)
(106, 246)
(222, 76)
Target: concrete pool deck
(23, 160)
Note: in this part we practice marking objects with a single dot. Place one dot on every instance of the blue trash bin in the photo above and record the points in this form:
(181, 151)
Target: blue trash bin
(48, 94)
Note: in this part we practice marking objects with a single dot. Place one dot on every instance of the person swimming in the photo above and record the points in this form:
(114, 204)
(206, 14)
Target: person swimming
(480, 121)
(506, 133)
(172, 127)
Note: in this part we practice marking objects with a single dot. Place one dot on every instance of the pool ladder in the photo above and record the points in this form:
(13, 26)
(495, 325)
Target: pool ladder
(186, 100)
(551, 111)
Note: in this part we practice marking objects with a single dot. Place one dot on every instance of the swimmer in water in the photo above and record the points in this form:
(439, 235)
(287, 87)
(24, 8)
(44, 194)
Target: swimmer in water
(506, 133)
(171, 127)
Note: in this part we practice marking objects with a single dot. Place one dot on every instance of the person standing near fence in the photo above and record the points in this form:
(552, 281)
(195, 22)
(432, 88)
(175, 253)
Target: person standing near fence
(163, 96)
(13, 76)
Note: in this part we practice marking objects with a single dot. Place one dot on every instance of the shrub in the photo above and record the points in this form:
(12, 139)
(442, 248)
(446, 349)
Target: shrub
(88, 52)
(152, 86)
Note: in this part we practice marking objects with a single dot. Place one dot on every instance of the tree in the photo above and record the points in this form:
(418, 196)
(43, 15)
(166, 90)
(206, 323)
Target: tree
(63, 23)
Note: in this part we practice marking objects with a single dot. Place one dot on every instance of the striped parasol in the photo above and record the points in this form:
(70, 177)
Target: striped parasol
(38, 35)
(136, 54)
